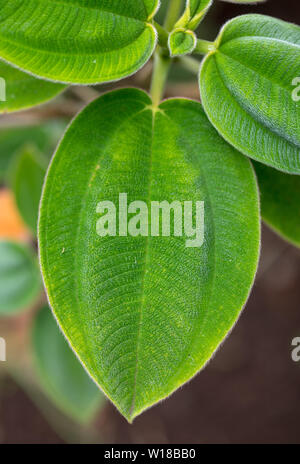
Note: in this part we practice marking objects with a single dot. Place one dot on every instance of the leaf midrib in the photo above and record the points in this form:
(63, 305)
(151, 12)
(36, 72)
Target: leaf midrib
(213, 280)
(219, 50)
(255, 37)
(242, 147)
(131, 411)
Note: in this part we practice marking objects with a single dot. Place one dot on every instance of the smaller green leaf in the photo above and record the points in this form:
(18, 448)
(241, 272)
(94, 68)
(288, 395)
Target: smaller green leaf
(280, 201)
(194, 13)
(44, 137)
(60, 373)
(20, 281)
(246, 85)
(182, 42)
(19, 91)
(27, 177)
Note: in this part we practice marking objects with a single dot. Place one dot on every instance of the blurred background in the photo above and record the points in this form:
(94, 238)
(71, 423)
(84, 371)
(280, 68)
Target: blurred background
(249, 392)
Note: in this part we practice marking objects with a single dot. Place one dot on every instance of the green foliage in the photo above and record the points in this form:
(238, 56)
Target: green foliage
(60, 373)
(144, 314)
(20, 281)
(43, 137)
(280, 201)
(77, 41)
(246, 89)
(24, 91)
(182, 42)
(27, 178)
(194, 13)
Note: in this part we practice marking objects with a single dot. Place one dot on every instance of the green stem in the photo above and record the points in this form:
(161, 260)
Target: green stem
(189, 63)
(162, 62)
(204, 46)
(173, 14)
(160, 75)
(162, 35)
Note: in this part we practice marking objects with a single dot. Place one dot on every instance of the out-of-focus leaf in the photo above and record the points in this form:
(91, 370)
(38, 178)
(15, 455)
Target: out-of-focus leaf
(60, 373)
(78, 41)
(44, 137)
(145, 312)
(182, 42)
(27, 178)
(280, 201)
(21, 91)
(246, 87)
(20, 281)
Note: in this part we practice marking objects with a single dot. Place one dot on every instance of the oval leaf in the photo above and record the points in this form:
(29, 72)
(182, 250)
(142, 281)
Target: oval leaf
(76, 41)
(194, 13)
(19, 91)
(247, 92)
(27, 178)
(182, 42)
(60, 373)
(20, 281)
(145, 313)
(44, 137)
(280, 201)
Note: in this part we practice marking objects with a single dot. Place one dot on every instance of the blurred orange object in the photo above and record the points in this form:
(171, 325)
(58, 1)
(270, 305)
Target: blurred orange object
(11, 224)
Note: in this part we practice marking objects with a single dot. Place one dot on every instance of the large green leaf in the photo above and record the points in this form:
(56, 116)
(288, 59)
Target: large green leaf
(60, 373)
(145, 313)
(246, 89)
(27, 178)
(20, 280)
(280, 201)
(77, 41)
(44, 137)
(24, 91)
(194, 13)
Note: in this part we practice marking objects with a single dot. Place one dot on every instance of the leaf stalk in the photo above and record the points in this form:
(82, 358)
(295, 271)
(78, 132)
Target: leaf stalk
(189, 63)
(159, 77)
(204, 47)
